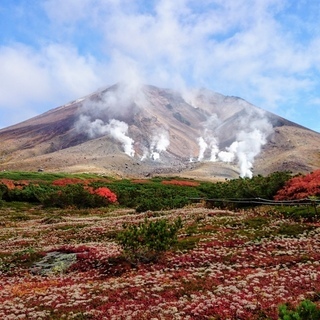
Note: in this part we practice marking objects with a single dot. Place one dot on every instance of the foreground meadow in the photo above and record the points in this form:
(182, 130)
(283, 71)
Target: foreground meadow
(226, 265)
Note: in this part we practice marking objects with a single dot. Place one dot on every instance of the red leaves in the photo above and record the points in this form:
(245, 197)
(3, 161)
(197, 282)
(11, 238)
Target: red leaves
(11, 184)
(300, 187)
(182, 183)
(141, 181)
(66, 181)
(102, 191)
(105, 193)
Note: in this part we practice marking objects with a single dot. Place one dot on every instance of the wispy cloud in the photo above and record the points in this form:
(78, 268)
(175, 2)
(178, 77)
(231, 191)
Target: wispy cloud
(264, 51)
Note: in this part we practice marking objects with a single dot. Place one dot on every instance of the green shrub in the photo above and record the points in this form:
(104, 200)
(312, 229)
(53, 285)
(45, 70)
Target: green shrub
(30, 193)
(244, 188)
(306, 310)
(73, 195)
(3, 191)
(305, 213)
(146, 241)
(151, 196)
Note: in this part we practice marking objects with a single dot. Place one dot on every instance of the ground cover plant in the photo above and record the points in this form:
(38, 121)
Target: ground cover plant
(305, 310)
(147, 241)
(70, 263)
(300, 187)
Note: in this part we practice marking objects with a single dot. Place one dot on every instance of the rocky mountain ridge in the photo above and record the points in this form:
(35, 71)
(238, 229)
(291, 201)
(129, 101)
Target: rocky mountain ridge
(127, 130)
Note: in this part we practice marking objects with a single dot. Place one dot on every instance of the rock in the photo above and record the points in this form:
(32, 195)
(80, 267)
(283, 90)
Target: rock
(54, 263)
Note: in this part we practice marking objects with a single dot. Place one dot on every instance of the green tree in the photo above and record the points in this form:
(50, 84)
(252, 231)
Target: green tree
(148, 240)
(306, 310)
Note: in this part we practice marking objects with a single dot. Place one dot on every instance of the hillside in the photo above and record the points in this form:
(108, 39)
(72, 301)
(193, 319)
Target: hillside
(139, 131)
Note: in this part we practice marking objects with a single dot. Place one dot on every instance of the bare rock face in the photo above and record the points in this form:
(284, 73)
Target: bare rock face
(135, 131)
(54, 263)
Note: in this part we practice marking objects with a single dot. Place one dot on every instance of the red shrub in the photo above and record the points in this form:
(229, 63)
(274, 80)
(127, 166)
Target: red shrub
(140, 181)
(300, 187)
(105, 193)
(12, 184)
(66, 181)
(182, 183)
(9, 183)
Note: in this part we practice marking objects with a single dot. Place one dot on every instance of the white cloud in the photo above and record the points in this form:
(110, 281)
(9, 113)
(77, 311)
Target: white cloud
(32, 80)
(67, 11)
(23, 76)
(265, 51)
(235, 45)
(76, 73)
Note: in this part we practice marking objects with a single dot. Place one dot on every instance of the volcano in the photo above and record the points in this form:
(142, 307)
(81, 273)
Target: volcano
(133, 131)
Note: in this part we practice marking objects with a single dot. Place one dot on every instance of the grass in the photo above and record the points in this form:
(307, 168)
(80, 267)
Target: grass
(17, 206)
(256, 222)
(70, 227)
(187, 243)
(45, 176)
(51, 219)
(294, 229)
(19, 216)
(298, 213)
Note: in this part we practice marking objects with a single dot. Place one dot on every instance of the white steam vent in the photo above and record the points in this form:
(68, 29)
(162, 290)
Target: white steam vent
(251, 134)
(111, 104)
(203, 147)
(159, 143)
(244, 150)
(115, 128)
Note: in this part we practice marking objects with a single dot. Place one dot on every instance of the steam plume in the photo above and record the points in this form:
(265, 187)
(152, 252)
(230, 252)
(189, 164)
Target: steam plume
(203, 147)
(250, 132)
(115, 128)
(159, 143)
(104, 114)
(245, 149)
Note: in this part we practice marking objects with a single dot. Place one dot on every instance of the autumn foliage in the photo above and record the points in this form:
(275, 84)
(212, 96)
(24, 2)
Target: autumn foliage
(66, 181)
(104, 193)
(11, 184)
(182, 183)
(300, 187)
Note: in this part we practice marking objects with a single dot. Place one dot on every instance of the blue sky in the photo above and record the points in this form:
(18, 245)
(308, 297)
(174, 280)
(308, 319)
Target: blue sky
(264, 51)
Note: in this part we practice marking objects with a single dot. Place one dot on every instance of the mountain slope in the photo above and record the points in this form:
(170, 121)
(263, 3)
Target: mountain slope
(133, 131)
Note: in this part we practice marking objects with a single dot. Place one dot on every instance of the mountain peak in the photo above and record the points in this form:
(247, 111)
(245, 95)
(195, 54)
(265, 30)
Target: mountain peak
(135, 129)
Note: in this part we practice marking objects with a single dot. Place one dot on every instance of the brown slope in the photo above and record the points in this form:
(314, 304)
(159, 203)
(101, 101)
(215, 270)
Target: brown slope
(52, 141)
(290, 148)
(38, 135)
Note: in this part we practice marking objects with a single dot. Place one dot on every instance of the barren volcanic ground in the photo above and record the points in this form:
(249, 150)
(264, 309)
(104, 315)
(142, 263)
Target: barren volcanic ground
(146, 131)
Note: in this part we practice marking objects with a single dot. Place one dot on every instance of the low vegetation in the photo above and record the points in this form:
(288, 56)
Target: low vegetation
(158, 194)
(91, 247)
(306, 310)
(300, 187)
(147, 241)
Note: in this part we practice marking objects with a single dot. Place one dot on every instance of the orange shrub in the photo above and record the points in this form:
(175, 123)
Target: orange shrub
(300, 187)
(9, 183)
(140, 181)
(181, 183)
(65, 181)
(12, 184)
(105, 193)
